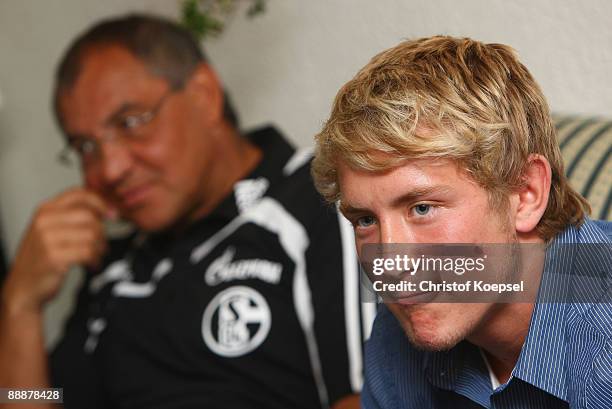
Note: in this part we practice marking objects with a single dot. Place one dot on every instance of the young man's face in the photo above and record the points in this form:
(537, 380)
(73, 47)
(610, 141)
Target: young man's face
(424, 201)
(154, 181)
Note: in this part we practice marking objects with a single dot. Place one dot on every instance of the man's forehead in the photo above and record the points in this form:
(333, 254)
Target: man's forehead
(110, 66)
(109, 76)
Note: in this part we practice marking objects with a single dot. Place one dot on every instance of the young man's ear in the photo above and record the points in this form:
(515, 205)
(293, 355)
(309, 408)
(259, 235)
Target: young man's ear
(205, 89)
(532, 197)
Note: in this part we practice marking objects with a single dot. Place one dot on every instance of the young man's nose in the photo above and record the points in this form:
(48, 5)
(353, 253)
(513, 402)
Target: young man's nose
(388, 231)
(394, 230)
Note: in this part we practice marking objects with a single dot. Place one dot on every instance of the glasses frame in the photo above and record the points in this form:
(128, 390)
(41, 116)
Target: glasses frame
(135, 121)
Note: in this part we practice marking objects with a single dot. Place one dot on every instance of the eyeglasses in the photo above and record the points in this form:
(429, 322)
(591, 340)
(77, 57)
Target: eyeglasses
(128, 129)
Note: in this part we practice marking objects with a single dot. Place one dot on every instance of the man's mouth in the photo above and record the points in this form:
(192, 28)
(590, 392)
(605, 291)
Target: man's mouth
(412, 297)
(421, 297)
(135, 196)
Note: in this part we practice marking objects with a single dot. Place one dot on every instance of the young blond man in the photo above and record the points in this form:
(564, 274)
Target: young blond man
(450, 140)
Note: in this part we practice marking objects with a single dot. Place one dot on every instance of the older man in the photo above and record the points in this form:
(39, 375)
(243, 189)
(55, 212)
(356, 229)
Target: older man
(449, 140)
(230, 294)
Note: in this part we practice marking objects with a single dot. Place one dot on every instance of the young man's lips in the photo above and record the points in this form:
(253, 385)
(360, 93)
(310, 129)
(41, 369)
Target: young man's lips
(416, 298)
(135, 196)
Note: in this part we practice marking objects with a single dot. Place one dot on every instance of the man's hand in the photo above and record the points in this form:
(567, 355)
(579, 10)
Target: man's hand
(348, 402)
(65, 231)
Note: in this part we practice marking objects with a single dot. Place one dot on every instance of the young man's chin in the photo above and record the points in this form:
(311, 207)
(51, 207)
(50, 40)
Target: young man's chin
(425, 326)
(428, 341)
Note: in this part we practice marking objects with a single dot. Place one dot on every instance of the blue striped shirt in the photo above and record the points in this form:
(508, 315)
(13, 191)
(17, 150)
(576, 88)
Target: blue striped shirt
(566, 359)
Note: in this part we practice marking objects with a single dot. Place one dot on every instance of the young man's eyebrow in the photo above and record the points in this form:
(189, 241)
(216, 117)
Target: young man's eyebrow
(418, 193)
(348, 210)
(411, 196)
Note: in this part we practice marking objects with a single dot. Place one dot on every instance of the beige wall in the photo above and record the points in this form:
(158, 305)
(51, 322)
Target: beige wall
(286, 66)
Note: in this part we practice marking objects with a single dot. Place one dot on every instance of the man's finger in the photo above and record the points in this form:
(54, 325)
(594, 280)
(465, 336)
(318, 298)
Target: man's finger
(79, 197)
(78, 236)
(76, 250)
(82, 217)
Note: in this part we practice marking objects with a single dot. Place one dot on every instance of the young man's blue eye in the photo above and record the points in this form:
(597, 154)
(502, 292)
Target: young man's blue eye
(422, 209)
(365, 221)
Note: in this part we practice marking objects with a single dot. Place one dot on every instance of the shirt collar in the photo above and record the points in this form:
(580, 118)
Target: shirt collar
(461, 370)
(276, 153)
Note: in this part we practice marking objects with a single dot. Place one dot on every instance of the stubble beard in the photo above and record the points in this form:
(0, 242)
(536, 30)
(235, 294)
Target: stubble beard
(440, 336)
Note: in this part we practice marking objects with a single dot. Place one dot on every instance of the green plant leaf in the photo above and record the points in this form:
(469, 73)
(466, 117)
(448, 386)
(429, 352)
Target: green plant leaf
(206, 18)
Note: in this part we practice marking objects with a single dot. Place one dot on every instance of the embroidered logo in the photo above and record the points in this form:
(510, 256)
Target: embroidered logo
(236, 322)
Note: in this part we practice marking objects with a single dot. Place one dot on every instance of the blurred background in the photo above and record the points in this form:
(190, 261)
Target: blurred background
(283, 67)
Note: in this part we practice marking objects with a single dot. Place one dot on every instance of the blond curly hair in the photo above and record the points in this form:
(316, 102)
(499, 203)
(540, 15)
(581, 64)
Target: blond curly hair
(454, 98)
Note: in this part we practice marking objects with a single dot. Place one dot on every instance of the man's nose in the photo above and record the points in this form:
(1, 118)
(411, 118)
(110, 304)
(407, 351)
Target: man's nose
(115, 160)
(394, 230)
